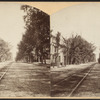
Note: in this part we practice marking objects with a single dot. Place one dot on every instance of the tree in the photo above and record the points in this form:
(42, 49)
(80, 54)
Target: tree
(78, 50)
(5, 53)
(37, 34)
(57, 46)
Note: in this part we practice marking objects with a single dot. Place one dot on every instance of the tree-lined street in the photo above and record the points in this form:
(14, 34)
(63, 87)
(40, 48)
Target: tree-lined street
(45, 55)
(28, 75)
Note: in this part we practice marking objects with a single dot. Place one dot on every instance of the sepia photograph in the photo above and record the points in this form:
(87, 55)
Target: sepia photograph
(49, 50)
(24, 51)
(75, 51)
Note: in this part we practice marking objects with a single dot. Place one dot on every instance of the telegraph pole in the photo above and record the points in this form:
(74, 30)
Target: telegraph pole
(99, 52)
(99, 56)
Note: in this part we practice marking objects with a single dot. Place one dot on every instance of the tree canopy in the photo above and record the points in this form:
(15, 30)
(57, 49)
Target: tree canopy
(5, 53)
(37, 35)
(78, 50)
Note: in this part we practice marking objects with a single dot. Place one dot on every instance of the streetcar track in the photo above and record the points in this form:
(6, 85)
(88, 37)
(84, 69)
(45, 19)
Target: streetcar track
(66, 78)
(5, 71)
(79, 83)
(79, 79)
(63, 79)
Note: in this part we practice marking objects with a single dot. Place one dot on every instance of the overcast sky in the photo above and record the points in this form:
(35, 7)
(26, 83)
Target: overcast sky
(11, 24)
(83, 19)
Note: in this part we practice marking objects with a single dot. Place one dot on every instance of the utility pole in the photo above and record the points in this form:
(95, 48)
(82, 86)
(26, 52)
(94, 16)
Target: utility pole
(99, 52)
(99, 56)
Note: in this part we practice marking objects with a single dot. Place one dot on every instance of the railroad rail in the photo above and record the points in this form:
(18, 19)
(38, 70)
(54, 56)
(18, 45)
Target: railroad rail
(85, 74)
(5, 71)
(67, 77)
(79, 83)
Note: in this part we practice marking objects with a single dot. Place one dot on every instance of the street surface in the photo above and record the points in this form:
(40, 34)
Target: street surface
(65, 79)
(90, 87)
(26, 80)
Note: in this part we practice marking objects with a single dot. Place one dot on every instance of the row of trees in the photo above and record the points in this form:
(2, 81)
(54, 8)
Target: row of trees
(35, 43)
(76, 49)
(5, 53)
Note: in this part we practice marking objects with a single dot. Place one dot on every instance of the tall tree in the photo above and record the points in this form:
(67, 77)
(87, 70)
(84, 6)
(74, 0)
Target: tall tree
(5, 53)
(37, 34)
(78, 50)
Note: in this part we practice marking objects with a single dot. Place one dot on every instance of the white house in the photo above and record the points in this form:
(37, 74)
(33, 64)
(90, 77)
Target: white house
(53, 52)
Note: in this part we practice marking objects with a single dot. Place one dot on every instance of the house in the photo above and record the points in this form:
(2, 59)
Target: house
(53, 53)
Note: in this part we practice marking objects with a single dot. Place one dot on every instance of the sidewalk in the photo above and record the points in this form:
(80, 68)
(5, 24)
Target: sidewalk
(43, 65)
(80, 66)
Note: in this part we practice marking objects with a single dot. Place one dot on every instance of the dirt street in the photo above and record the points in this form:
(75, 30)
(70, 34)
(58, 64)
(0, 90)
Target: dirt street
(26, 80)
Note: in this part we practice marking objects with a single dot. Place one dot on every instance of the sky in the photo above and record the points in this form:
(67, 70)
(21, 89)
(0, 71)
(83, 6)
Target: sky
(82, 19)
(11, 24)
